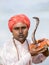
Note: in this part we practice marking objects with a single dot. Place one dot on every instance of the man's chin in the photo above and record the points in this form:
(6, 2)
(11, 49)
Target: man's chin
(21, 40)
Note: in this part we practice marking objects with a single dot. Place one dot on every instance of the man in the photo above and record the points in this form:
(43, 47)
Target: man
(16, 50)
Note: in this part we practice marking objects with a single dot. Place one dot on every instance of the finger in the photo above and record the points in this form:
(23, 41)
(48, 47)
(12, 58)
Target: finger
(42, 50)
(41, 40)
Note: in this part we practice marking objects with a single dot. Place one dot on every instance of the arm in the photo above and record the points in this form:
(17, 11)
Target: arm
(24, 60)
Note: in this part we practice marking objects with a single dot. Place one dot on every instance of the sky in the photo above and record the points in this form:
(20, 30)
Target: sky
(31, 8)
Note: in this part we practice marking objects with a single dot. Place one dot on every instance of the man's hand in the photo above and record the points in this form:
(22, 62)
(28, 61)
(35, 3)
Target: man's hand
(40, 47)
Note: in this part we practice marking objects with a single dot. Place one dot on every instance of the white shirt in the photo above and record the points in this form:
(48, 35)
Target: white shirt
(10, 54)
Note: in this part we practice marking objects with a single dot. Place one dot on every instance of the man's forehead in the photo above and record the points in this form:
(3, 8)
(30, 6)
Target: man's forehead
(20, 24)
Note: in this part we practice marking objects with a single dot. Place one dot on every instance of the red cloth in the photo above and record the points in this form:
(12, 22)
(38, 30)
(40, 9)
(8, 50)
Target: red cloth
(18, 18)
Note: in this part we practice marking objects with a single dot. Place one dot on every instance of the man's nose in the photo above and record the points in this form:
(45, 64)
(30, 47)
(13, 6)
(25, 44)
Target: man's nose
(20, 30)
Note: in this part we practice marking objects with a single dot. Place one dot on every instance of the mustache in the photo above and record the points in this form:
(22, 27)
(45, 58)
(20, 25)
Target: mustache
(21, 35)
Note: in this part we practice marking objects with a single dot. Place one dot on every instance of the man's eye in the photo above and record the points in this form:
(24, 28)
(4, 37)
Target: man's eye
(23, 27)
(17, 28)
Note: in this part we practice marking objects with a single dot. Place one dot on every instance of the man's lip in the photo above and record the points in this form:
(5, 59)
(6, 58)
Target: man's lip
(20, 36)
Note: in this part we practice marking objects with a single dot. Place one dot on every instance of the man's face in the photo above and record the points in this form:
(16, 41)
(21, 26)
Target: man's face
(20, 31)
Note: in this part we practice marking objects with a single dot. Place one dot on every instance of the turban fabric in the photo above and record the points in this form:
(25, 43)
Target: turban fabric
(18, 18)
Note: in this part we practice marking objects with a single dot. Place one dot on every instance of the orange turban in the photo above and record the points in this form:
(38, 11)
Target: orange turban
(18, 18)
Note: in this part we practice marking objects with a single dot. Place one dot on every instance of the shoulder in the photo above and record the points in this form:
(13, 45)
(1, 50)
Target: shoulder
(29, 41)
(8, 44)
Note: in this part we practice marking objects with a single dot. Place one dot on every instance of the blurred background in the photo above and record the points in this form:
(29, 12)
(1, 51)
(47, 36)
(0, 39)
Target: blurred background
(31, 8)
